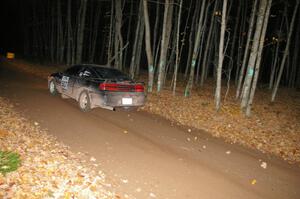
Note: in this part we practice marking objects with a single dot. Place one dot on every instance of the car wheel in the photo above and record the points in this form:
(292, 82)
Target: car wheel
(52, 88)
(84, 101)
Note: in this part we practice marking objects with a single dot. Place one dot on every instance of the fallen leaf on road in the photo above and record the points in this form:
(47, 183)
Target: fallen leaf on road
(92, 159)
(125, 131)
(253, 182)
(228, 152)
(263, 165)
(138, 190)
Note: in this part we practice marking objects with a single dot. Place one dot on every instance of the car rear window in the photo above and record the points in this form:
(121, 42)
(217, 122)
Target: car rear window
(110, 73)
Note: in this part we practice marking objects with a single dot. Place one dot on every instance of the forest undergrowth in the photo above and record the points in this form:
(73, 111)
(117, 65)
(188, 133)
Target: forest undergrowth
(273, 128)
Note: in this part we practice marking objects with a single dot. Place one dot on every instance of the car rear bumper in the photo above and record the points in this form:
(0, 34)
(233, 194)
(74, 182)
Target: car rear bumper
(116, 99)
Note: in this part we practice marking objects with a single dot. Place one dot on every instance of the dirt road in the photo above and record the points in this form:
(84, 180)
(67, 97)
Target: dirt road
(148, 157)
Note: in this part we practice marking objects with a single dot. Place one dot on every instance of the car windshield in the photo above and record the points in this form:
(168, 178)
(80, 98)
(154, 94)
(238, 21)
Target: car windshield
(110, 73)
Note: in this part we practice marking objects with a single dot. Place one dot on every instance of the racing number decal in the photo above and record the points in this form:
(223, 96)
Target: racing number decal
(64, 82)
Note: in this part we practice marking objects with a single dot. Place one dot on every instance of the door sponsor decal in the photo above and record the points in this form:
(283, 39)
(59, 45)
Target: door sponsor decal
(64, 82)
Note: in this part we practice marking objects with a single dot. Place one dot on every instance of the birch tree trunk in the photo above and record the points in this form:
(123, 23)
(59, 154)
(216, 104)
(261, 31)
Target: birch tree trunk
(183, 39)
(242, 30)
(118, 35)
(286, 51)
(128, 32)
(167, 25)
(232, 50)
(221, 57)
(138, 34)
(155, 33)
(258, 61)
(254, 53)
(189, 85)
(191, 37)
(148, 47)
(139, 45)
(246, 54)
(202, 41)
(177, 48)
(207, 46)
(276, 55)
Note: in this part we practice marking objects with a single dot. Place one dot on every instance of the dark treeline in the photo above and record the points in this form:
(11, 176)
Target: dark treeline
(242, 42)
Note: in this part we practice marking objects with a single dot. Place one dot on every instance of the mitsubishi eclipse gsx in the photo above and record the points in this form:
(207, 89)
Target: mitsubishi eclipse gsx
(97, 86)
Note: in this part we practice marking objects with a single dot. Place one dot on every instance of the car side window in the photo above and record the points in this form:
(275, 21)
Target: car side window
(73, 70)
(87, 73)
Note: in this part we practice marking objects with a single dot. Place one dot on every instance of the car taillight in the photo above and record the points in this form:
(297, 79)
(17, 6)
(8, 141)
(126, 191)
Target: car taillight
(121, 87)
(139, 88)
(108, 87)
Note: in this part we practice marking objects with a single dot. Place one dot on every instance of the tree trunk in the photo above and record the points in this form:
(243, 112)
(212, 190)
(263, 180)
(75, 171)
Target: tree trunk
(167, 25)
(205, 62)
(254, 53)
(258, 61)
(138, 34)
(202, 40)
(275, 57)
(139, 46)
(242, 30)
(221, 57)
(189, 85)
(156, 31)
(177, 48)
(118, 36)
(148, 47)
(245, 59)
(128, 32)
(191, 35)
(232, 50)
(286, 51)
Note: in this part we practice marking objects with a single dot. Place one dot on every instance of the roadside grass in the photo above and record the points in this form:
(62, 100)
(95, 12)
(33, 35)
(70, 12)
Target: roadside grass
(9, 161)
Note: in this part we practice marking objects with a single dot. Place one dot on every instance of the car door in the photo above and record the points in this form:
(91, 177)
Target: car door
(85, 76)
(68, 80)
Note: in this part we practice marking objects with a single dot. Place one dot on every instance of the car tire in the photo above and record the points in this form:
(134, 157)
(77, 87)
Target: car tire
(84, 101)
(52, 88)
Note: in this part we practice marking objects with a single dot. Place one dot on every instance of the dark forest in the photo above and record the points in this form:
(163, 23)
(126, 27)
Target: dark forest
(241, 43)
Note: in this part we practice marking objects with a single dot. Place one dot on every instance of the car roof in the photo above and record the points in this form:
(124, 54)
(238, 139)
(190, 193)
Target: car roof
(94, 65)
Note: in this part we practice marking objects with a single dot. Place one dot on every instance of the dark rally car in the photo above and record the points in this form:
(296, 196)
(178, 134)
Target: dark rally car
(97, 86)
